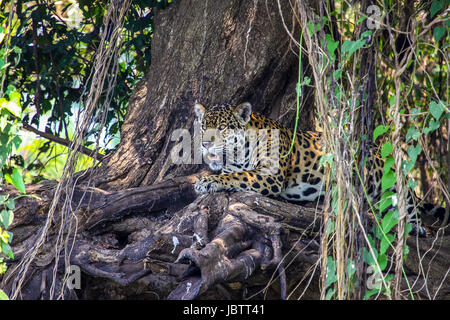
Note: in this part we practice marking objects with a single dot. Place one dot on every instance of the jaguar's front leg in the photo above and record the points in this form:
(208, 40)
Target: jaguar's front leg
(253, 180)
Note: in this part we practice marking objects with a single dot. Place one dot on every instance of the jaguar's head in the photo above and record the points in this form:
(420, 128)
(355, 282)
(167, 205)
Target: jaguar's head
(222, 127)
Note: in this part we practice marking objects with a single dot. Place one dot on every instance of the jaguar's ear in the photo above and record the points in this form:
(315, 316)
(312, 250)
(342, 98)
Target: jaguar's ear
(243, 112)
(199, 111)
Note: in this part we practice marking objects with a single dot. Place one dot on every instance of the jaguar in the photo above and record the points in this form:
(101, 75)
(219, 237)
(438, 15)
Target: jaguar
(255, 153)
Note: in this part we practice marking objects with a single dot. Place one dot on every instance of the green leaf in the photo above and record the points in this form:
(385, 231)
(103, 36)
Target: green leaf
(12, 107)
(6, 249)
(10, 204)
(413, 152)
(327, 158)
(4, 236)
(385, 201)
(331, 272)
(370, 293)
(438, 33)
(436, 6)
(388, 163)
(16, 180)
(351, 268)
(412, 184)
(415, 111)
(388, 180)
(379, 131)
(310, 27)
(432, 126)
(15, 97)
(17, 49)
(412, 133)
(337, 74)
(350, 47)
(436, 109)
(318, 27)
(388, 222)
(6, 218)
(10, 236)
(361, 19)
(16, 142)
(306, 81)
(386, 149)
(331, 227)
(382, 260)
(408, 228)
(368, 256)
(386, 242)
(331, 46)
(3, 295)
(330, 293)
(391, 101)
(405, 249)
(366, 34)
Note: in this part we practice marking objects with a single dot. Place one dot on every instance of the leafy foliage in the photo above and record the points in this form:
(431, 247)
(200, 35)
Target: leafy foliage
(419, 96)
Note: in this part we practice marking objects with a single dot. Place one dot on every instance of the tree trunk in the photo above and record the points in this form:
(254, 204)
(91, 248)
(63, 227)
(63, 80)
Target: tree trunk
(214, 53)
(142, 232)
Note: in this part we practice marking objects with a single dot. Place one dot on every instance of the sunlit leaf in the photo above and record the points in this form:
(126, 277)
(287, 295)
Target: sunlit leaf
(436, 109)
(388, 222)
(412, 133)
(3, 296)
(6, 248)
(16, 180)
(6, 218)
(436, 6)
(386, 242)
(386, 149)
(438, 33)
(379, 131)
(388, 180)
(385, 201)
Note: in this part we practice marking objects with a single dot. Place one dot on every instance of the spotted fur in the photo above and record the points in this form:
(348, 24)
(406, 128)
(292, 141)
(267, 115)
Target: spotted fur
(296, 177)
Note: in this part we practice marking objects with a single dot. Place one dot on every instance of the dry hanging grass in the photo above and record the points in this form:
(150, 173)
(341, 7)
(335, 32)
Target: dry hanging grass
(102, 81)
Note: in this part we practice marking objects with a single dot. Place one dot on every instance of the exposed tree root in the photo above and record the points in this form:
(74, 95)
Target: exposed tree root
(223, 245)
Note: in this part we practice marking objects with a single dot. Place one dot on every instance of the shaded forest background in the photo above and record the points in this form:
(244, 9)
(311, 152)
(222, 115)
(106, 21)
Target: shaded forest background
(91, 93)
